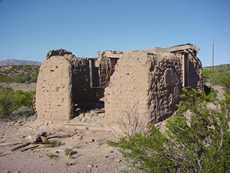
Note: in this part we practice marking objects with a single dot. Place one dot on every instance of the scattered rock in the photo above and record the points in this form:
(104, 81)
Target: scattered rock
(52, 155)
(69, 152)
(89, 166)
(119, 160)
(57, 52)
(81, 137)
(41, 137)
(70, 163)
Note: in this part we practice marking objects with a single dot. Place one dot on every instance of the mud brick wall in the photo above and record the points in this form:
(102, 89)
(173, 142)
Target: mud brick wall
(126, 96)
(144, 88)
(107, 63)
(53, 90)
(164, 86)
(194, 75)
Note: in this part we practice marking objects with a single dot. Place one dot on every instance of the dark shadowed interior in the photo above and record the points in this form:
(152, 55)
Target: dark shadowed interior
(86, 92)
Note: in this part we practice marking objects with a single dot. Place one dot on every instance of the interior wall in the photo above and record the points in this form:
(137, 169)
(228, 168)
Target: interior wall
(194, 73)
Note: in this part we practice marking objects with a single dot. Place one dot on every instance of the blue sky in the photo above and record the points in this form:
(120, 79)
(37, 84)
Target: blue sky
(29, 28)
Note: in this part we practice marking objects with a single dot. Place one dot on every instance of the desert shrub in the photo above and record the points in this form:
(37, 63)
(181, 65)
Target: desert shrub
(7, 105)
(198, 143)
(19, 73)
(11, 100)
(218, 76)
(22, 98)
(22, 78)
(34, 76)
(4, 78)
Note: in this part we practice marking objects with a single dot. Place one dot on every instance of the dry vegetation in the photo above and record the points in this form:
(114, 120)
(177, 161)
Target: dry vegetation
(17, 89)
(198, 143)
(19, 73)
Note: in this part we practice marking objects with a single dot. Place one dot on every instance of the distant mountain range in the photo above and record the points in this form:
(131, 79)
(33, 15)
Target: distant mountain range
(6, 62)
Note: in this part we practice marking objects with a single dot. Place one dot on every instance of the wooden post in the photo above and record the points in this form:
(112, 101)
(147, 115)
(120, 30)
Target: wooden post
(185, 66)
(213, 55)
(91, 73)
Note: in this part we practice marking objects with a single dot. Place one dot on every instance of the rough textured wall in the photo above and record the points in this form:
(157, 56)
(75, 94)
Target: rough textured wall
(53, 91)
(126, 95)
(164, 85)
(194, 73)
(144, 88)
(106, 62)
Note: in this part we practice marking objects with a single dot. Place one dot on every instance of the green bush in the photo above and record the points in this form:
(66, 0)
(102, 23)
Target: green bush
(7, 105)
(22, 78)
(19, 73)
(11, 100)
(4, 78)
(196, 143)
(217, 77)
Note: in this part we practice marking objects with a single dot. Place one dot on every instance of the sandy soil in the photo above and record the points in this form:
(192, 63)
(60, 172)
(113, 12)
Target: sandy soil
(88, 145)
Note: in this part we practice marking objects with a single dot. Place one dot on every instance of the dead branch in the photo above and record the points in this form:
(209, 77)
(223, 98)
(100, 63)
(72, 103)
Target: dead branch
(30, 148)
(8, 144)
(4, 154)
(21, 146)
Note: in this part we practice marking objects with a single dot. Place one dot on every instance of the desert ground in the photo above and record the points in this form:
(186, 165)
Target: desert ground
(73, 147)
(79, 145)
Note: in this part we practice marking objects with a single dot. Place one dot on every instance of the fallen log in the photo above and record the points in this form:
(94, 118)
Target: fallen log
(61, 136)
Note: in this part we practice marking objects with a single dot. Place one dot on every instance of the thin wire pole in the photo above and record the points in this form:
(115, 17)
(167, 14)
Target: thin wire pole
(213, 54)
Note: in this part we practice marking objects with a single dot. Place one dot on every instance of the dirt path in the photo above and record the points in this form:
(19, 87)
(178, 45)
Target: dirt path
(84, 151)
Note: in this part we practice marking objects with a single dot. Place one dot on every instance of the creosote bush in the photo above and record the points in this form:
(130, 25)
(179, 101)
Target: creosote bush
(11, 100)
(19, 73)
(220, 75)
(194, 142)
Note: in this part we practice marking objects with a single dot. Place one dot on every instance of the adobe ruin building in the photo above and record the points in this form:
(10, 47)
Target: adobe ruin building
(143, 84)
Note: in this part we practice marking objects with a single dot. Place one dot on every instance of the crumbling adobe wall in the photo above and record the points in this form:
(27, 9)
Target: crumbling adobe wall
(63, 86)
(53, 90)
(144, 88)
(126, 95)
(191, 65)
(195, 73)
(106, 62)
(164, 86)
